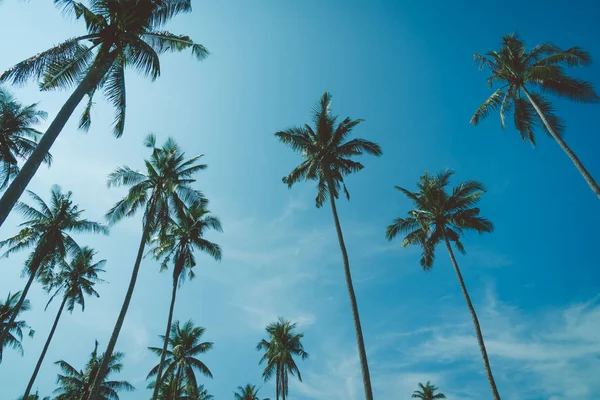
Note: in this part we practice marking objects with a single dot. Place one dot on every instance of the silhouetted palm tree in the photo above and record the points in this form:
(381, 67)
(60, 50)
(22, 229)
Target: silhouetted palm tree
(15, 332)
(248, 392)
(184, 235)
(543, 68)
(120, 34)
(427, 392)
(47, 230)
(327, 159)
(74, 280)
(442, 217)
(280, 349)
(17, 135)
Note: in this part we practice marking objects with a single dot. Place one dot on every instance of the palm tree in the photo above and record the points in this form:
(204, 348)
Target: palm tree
(327, 154)
(17, 135)
(120, 34)
(543, 68)
(47, 230)
(34, 396)
(280, 349)
(181, 361)
(164, 185)
(438, 217)
(15, 332)
(183, 236)
(74, 280)
(427, 392)
(76, 384)
(200, 394)
(248, 392)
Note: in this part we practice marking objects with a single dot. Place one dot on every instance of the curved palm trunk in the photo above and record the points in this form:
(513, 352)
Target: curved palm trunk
(94, 392)
(578, 164)
(177, 380)
(277, 383)
(166, 341)
(41, 359)
(486, 361)
(103, 62)
(13, 317)
(362, 354)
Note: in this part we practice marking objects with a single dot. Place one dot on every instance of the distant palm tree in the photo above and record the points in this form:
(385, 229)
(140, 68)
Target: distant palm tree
(120, 34)
(74, 280)
(170, 389)
(248, 392)
(184, 235)
(164, 185)
(76, 385)
(543, 68)
(17, 135)
(47, 230)
(15, 332)
(327, 154)
(35, 396)
(442, 217)
(280, 349)
(181, 362)
(427, 392)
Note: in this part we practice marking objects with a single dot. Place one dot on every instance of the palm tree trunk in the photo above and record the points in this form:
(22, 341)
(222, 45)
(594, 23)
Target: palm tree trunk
(101, 65)
(13, 317)
(362, 354)
(277, 383)
(283, 385)
(41, 359)
(177, 380)
(486, 361)
(166, 341)
(94, 392)
(578, 164)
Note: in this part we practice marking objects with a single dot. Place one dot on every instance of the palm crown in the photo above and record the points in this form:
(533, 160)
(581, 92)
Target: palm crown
(121, 33)
(542, 68)
(427, 392)
(326, 151)
(15, 331)
(248, 392)
(17, 135)
(439, 215)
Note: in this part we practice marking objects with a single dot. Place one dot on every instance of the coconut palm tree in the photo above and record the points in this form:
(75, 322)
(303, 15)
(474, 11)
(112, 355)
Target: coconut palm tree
(164, 185)
(75, 280)
(442, 217)
(181, 361)
(427, 392)
(184, 235)
(15, 332)
(47, 230)
(543, 70)
(248, 392)
(327, 159)
(200, 394)
(280, 349)
(76, 384)
(120, 34)
(17, 135)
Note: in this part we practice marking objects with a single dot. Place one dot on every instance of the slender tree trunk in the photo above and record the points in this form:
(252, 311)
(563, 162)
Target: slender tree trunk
(103, 62)
(94, 392)
(13, 317)
(578, 164)
(277, 384)
(166, 341)
(362, 354)
(283, 385)
(41, 359)
(486, 361)
(177, 379)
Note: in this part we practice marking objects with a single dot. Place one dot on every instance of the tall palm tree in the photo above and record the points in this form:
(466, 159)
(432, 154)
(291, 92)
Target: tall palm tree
(181, 361)
(248, 392)
(15, 332)
(427, 392)
(280, 349)
(542, 69)
(184, 235)
(442, 217)
(164, 185)
(17, 135)
(327, 152)
(47, 230)
(75, 280)
(120, 34)
(76, 385)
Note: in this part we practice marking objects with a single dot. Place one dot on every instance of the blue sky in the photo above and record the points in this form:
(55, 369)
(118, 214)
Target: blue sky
(406, 68)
